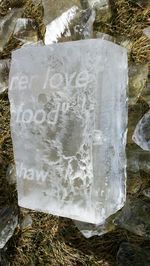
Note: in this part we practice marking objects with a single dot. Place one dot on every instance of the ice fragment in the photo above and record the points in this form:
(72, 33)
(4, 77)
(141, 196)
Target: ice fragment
(141, 134)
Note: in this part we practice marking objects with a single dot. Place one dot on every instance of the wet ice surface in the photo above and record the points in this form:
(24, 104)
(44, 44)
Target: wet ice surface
(60, 25)
(135, 217)
(68, 125)
(100, 4)
(54, 9)
(25, 30)
(138, 75)
(8, 223)
(141, 134)
(89, 230)
(74, 23)
(7, 25)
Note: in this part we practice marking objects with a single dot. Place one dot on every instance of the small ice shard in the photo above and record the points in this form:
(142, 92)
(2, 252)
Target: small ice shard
(146, 192)
(141, 134)
(105, 36)
(8, 223)
(138, 160)
(138, 75)
(7, 25)
(27, 222)
(136, 112)
(146, 31)
(69, 145)
(132, 255)
(4, 73)
(99, 4)
(11, 174)
(103, 12)
(134, 184)
(89, 230)
(54, 9)
(59, 26)
(82, 26)
(25, 30)
(126, 43)
(146, 93)
(135, 217)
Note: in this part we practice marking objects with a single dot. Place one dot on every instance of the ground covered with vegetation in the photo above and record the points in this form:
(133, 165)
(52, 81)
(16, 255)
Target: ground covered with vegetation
(52, 240)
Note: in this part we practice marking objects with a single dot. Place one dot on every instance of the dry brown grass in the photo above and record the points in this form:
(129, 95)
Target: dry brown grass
(52, 240)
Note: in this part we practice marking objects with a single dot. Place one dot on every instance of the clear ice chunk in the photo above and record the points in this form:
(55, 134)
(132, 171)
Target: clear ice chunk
(7, 25)
(59, 26)
(25, 30)
(74, 24)
(68, 123)
(82, 26)
(54, 9)
(135, 217)
(4, 74)
(88, 230)
(141, 134)
(26, 222)
(8, 223)
(146, 93)
(135, 112)
(11, 174)
(138, 75)
(99, 4)
(138, 160)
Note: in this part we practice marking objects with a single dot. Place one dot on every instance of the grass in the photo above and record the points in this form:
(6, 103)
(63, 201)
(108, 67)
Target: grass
(52, 240)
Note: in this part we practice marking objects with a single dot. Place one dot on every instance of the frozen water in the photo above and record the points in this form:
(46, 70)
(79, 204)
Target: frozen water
(54, 9)
(98, 3)
(138, 75)
(68, 122)
(73, 23)
(7, 25)
(8, 223)
(141, 134)
(25, 30)
(57, 27)
(135, 217)
(89, 230)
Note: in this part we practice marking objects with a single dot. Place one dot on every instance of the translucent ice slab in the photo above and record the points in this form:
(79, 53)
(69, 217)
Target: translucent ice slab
(68, 122)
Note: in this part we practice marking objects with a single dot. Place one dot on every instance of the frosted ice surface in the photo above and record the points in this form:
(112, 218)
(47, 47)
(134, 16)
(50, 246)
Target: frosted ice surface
(68, 123)
(58, 26)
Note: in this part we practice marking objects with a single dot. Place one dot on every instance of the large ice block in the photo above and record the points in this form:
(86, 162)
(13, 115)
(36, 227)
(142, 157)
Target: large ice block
(68, 123)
